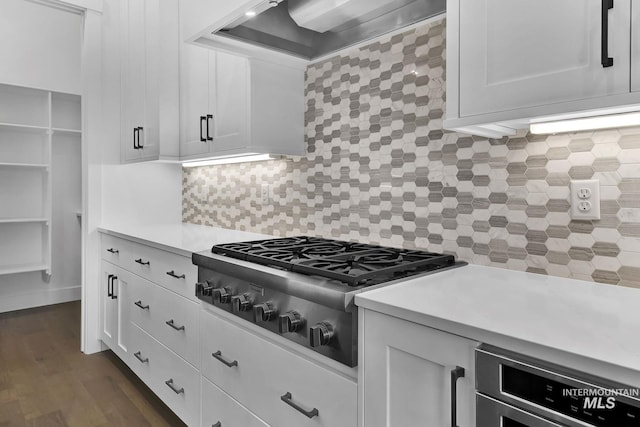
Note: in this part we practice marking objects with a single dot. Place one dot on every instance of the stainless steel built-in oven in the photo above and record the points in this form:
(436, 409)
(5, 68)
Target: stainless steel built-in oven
(517, 391)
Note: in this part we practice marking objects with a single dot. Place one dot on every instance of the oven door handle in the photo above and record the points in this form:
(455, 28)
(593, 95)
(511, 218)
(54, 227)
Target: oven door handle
(456, 374)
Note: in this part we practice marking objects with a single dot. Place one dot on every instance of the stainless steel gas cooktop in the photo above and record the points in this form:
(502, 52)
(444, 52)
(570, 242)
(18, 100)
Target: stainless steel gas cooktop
(303, 287)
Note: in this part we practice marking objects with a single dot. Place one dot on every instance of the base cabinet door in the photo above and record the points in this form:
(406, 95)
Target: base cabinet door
(219, 409)
(114, 308)
(520, 53)
(413, 375)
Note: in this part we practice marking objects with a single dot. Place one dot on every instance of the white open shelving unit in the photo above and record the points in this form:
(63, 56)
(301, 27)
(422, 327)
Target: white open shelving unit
(30, 122)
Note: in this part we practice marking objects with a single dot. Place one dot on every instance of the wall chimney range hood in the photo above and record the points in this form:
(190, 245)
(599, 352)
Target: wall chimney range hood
(311, 29)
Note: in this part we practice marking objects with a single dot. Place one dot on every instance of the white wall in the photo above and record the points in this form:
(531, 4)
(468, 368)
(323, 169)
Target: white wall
(40, 46)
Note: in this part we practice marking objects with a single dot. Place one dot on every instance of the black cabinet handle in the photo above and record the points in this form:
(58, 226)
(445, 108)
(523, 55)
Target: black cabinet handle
(218, 424)
(173, 325)
(138, 356)
(209, 117)
(140, 130)
(286, 398)
(109, 284)
(135, 139)
(202, 120)
(172, 273)
(605, 59)
(113, 251)
(456, 374)
(141, 262)
(139, 304)
(176, 390)
(113, 287)
(218, 355)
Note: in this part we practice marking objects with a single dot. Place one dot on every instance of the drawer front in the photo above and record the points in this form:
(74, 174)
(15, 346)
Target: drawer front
(219, 407)
(174, 272)
(175, 382)
(177, 324)
(275, 384)
(169, 318)
(112, 249)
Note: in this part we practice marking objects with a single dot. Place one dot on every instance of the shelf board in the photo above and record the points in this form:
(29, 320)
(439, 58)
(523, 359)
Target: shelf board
(25, 165)
(22, 220)
(22, 268)
(67, 131)
(28, 128)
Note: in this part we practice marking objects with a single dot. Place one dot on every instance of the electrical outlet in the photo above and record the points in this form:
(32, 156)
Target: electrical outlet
(585, 199)
(264, 194)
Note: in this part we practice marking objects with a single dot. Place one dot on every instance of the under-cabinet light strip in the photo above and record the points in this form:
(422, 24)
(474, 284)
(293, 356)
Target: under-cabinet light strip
(229, 160)
(587, 123)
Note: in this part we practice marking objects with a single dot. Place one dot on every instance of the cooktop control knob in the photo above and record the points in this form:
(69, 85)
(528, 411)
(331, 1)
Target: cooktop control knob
(321, 334)
(291, 321)
(264, 312)
(200, 288)
(240, 303)
(221, 296)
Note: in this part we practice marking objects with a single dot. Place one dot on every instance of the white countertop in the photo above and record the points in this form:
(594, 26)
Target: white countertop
(596, 321)
(183, 239)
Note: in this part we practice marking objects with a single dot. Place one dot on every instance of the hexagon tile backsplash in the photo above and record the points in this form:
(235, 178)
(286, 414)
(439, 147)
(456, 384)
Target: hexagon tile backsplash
(380, 169)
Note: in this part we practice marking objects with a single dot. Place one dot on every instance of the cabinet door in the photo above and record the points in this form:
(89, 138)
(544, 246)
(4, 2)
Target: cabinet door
(133, 77)
(150, 134)
(407, 374)
(523, 53)
(108, 315)
(635, 47)
(228, 100)
(122, 312)
(194, 99)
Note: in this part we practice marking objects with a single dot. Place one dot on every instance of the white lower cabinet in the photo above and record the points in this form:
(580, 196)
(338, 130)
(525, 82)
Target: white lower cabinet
(408, 371)
(280, 387)
(114, 309)
(221, 410)
(175, 381)
(169, 318)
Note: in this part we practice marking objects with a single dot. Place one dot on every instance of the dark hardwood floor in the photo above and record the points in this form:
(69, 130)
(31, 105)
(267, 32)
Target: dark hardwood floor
(46, 381)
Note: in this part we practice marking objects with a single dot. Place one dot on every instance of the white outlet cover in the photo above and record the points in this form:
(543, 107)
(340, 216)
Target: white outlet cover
(578, 190)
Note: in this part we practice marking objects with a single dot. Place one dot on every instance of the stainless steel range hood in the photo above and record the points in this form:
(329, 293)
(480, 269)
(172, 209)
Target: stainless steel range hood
(310, 29)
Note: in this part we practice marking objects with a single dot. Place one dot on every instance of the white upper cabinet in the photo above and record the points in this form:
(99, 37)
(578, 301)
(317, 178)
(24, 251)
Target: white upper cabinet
(524, 53)
(232, 105)
(150, 80)
(214, 113)
(509, 61)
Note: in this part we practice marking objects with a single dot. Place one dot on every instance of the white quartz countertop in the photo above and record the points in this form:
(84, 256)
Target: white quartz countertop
(183, 239)
(599, 322)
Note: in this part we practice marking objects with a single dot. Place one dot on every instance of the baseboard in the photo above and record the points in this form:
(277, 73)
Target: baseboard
(39, 298)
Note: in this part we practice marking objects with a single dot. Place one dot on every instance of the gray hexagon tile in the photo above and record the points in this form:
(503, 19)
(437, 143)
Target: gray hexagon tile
(380, 169)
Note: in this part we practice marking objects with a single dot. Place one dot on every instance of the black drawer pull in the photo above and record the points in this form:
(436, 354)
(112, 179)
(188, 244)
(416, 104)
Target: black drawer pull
(218, 355)
(141, 262)
(138, 356)
(169, 383)
(218, 424)
(173, 325)
(286, 398)
(172, 273)
(139, 304)
(113, 251)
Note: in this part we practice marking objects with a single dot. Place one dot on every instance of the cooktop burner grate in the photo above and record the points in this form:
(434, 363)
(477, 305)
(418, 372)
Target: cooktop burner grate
(355, 264)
